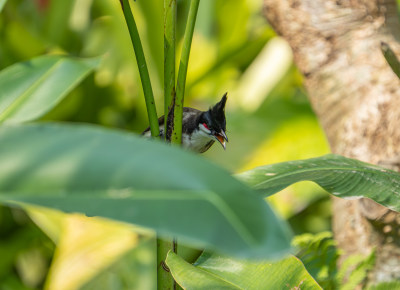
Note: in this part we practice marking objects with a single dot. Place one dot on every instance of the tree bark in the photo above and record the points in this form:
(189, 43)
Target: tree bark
(356, 97)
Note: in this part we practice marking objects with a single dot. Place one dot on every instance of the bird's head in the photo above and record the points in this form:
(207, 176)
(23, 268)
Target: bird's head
(213, 123)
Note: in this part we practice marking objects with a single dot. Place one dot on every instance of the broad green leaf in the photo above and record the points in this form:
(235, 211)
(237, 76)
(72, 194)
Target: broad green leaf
(341, 176)
(30, 89)
(218, 272)
(113, 174)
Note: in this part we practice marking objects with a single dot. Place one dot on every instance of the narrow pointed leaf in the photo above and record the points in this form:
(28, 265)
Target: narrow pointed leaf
(341, 176)
(113, 174)
(218, 272)
(391, 58)
(32, 88)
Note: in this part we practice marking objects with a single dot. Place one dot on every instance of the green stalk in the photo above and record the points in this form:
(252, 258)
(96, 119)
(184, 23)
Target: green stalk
(169, 58)
(164, 277)
(180, 86)
(143, 71)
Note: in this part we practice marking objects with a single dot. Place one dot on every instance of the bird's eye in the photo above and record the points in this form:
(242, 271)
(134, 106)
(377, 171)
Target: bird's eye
(205, 126)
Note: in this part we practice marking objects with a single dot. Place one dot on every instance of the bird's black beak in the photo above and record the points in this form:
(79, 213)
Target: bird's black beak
(221, 137)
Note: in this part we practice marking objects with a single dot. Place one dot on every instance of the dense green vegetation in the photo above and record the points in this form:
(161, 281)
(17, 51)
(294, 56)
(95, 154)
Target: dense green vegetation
(72, 62)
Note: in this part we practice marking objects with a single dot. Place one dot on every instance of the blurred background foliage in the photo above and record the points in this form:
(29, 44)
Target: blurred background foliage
(234, 50)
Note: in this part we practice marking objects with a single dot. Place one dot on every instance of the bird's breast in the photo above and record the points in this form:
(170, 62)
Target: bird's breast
(198, 141)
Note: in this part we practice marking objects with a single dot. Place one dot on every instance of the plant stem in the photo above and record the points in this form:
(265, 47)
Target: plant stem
(169, 59)
(143, 71)
(180, 86)
(164, 277)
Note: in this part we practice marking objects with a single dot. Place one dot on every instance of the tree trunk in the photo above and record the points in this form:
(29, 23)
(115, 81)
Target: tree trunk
(356, 96)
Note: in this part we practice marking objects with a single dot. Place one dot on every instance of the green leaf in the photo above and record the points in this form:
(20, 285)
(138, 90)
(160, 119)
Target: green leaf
(134, 270)
(218, 272)
(78, 247)
(2, 2)
(392, 285)
(30, 89)
(354, 271)
(113, 174)
(319, 255)
(391, 58)
(341, 176)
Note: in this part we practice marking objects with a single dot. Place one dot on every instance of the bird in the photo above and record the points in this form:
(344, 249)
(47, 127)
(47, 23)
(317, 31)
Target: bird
(200, 129)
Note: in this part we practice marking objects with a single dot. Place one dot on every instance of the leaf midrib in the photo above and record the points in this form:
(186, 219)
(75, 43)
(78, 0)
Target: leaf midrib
(201, 195)
(370, 170)
(201, 269)
(218, 277)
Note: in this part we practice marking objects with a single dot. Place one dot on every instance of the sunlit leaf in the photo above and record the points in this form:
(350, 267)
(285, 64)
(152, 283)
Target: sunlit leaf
(218, 272)
(134, 270)
(86, 246)
(341, 176)
(30, 89)
(113, 174)
(125, 259)
(48, 220)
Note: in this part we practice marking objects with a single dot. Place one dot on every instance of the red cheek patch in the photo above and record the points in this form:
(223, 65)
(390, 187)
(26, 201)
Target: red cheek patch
(205, 126)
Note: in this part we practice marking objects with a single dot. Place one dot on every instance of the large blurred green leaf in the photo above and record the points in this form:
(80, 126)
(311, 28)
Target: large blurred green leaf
(218, 272)
(341, 176)
(30, 89)
(113, 174)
